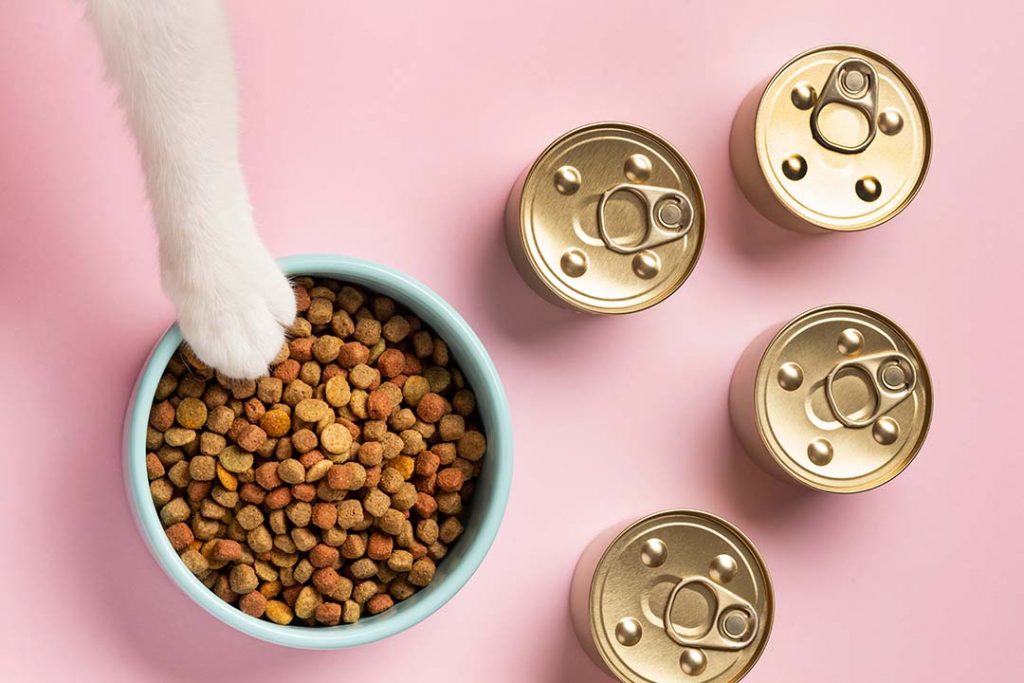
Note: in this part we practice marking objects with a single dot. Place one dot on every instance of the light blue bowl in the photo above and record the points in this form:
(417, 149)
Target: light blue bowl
(483, 517)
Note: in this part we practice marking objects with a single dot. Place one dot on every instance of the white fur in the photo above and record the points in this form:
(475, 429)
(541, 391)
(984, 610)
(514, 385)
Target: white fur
(172, 62)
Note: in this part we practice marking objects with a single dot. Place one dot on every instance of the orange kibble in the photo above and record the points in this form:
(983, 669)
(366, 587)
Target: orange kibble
(403, 464)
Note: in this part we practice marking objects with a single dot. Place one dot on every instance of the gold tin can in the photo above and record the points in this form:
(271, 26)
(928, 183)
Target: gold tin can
(837, 141)
(609, 219)
(838, 399)
(680, 595)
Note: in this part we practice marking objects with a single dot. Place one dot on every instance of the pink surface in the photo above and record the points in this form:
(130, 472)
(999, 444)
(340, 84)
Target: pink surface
(395, 134)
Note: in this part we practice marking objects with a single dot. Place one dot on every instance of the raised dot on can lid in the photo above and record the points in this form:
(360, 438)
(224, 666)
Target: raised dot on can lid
(654, 552)
(567, 180)
(803, 95)
(890, 122)
(574, 263)
(638, 168)
(885, 431)
(790, 376)
(692, 661)
(820, 452)
(850, 342)
(628, 631)
(723, 569)
(794, 167)
(869, 188)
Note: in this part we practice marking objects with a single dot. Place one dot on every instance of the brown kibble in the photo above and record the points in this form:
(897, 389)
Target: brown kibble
(203, 468)
(254, 604)
(450, 479)
(226, 550)
(350, 514)
(287, 371)
(452, 427)
(243, 579)
(391, 522)
(450, 530)
(472, 445)
(175, 511)
(422, 572)
(278, 498)
(396, 329)
(427, 463)
(322, 555)
(378, 603)
(195, 562)
(161, 416)
(328, 613)
(464, 402)
(251, 437)
(320, 311)
(154, 468)
(326, 348)
(391, 363)
(352, 354)
(431, 407)
(180, 536)
(304, 441)
(379, 546)
(325, 515)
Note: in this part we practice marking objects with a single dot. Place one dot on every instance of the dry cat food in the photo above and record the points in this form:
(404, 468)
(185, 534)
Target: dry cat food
(332, 488)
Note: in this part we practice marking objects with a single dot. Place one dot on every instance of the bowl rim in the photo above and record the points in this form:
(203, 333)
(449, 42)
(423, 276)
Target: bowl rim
(474, 362)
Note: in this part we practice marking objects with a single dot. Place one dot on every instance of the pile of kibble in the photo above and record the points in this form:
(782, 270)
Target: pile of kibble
(331, 488)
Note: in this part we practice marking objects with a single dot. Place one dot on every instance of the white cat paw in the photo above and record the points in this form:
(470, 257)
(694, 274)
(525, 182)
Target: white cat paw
(234, 316)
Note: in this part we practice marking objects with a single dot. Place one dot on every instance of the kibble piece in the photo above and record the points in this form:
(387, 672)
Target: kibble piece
(452, 427)
(415, 388)
(304, 440)
(322, 555)
(191, 413)
(175, 511)
(251, 437)
(328, 613)
(279, 612)
(379, 546)
(449, 479)
(180, 536)
(254, 604)
(202, 468)
(350, 514)
(450, 530)
(312, 410)
(275, 423)
(307, 602)
(179, 436)
(235, 460)
(422, 572)
(350, 611)
(226, 550)
(378, 603)
(195, 562)
(472, 445)
(336, 439)
(291, 471)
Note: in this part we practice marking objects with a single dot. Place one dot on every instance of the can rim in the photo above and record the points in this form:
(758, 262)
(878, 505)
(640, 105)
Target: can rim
(925, 120)
(601, 643)
(698, 248)
(779, 455)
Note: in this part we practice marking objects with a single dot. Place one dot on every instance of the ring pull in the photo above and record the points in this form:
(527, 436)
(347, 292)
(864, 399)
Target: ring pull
(893, 377)
(669, 217)
(733, 626)
(852, 83)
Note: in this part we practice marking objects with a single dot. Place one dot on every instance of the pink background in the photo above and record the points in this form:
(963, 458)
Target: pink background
(394, 134)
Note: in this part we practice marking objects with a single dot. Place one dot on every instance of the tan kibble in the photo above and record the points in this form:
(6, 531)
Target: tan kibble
(376, 502)
(191, 413)
(175, 511)
(472, 445)
(312, 410)
(391, 521)
(337, 391)
(243, 579)
(350, 514)
(450, 530)
(195, 562)
(318, 470)
(326, 348)
(415, 388)
(291, 471)
(464, 402)
(350, 611)
(307, 602)
(220, 419)
(336, 439)
(202, 468)
(235, 460)
(179, 436)
(279, 612)
(412, 442)
(396, 329)
(320, 311)
(452, 427)
(422, 572)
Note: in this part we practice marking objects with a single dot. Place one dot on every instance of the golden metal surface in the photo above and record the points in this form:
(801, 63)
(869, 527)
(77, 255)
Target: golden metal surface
(609, 219)
(842, 140)
(842, 399)
(680, 596)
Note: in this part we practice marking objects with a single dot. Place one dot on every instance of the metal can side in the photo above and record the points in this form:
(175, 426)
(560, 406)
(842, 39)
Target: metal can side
(742, 410)
(580, 590)
(747, 169)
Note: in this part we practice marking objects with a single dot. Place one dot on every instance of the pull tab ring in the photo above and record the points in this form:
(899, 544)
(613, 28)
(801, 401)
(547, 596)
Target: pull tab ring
(669, 216)
(893, 378)
(733, 626)
(853, 83)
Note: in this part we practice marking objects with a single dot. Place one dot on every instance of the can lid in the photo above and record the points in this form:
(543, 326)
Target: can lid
(843, 137)
(611, 218)
(843, 399)
(681, 595)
